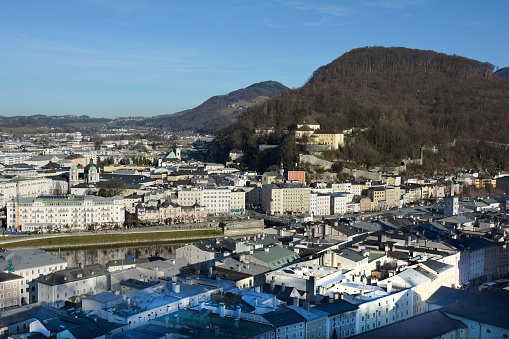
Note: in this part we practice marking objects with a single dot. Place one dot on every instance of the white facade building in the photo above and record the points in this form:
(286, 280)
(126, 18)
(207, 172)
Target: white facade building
(65, 211)
(323, 202)
(312, 203)
(25, 188)
(71, 283)
(216, 199)
(31, 264)
(338, 204)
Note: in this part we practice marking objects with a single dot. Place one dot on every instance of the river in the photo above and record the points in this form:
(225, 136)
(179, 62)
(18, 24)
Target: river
(101, 255)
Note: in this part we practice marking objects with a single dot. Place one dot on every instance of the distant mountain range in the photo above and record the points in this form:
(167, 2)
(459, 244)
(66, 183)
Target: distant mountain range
(401, 98)
(215, 113)
(218, 111)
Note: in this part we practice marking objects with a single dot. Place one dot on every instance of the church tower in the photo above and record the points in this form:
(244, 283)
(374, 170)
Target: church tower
(92, 175)
(73, 176)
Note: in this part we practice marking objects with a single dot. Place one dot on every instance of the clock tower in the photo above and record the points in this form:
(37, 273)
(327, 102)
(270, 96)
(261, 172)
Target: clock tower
(451, 206)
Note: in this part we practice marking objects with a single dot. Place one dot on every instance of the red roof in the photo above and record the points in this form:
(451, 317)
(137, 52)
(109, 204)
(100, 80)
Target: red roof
(304, 128)
(309, 121)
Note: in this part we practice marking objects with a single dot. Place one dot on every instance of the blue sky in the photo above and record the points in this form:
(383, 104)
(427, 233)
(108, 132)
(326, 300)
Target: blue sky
(108, 58)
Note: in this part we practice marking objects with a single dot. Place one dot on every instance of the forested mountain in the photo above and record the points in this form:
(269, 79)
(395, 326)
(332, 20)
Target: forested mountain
(218, 111)
(503, 72)
(404, 98)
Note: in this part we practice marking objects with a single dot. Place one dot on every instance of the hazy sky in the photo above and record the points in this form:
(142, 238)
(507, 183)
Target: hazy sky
(107, 58)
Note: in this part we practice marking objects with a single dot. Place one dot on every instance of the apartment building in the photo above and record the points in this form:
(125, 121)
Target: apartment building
(10, 290)
(215, 199)
(279, 199)
(24, 188)
(338, 203)
(238, 201)
(168, 212)
(65, 211)
(68, 284)
(30, 264)
(297, 174)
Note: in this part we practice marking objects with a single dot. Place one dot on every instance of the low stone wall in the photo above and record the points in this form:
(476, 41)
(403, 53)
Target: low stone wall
(244, 227)
(375, 176)
(311, 159)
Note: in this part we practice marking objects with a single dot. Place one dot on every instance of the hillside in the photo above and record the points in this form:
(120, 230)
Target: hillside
(404, 98)
(218, 111)
(44, 124)
(503, 73)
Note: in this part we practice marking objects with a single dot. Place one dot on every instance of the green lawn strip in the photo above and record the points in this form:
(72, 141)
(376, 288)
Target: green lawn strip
(110, 238)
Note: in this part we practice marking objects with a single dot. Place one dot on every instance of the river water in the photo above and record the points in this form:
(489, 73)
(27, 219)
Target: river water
(101, 255)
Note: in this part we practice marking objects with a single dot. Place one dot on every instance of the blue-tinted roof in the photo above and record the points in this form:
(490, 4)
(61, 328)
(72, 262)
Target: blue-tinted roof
(283, 317)
(336, 307)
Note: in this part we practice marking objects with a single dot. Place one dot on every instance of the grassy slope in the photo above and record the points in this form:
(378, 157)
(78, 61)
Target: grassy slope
(97, 239)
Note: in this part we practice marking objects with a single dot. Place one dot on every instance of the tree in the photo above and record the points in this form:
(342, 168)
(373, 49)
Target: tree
(112, 187)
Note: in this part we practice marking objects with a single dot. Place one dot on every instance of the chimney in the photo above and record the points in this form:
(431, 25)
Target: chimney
(222, 308)
(236, 323)
(305, 304)
(295, 301)
(167, 320)
(389, 286)
(175, 320)
(238, 311)
(312, 286)
(175, 287)
(282, 287)
(272, 285)
(256, 301)
(80, 264)
(128, 302)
